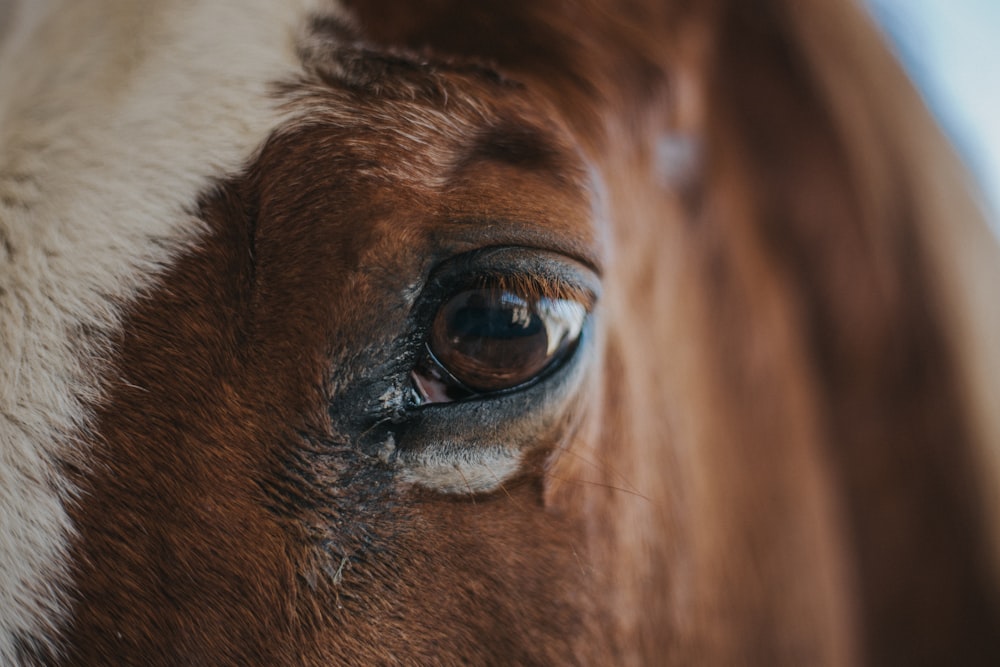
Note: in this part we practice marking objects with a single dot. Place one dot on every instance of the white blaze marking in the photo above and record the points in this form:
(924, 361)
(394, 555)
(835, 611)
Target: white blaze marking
(114, 116)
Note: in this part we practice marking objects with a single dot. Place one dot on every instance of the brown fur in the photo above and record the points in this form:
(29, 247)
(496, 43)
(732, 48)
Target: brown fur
(774, 466)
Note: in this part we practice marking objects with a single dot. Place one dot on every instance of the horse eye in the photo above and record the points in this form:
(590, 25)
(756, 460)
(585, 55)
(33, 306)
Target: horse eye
(490, 339)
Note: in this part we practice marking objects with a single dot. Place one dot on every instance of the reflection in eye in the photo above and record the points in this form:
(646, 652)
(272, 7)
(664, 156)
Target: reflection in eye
(491, 339)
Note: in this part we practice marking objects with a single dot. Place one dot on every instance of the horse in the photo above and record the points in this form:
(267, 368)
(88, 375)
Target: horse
(521, 332)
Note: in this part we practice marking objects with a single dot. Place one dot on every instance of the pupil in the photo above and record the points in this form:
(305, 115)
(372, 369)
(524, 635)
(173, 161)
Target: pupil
(507, 318)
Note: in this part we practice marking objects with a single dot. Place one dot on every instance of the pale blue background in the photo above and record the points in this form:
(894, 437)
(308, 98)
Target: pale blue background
(952, 50)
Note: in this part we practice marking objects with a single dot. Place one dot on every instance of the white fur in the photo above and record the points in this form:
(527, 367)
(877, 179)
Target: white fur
(459, 468)
(114, 116)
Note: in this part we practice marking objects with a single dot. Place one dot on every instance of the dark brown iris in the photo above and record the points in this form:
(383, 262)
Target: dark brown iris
(490, 339)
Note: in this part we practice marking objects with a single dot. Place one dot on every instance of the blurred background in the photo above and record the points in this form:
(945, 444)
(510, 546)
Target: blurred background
(952, 51)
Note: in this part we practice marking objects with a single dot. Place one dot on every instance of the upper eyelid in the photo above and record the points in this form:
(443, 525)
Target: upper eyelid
(536, 272)
(534, 287)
